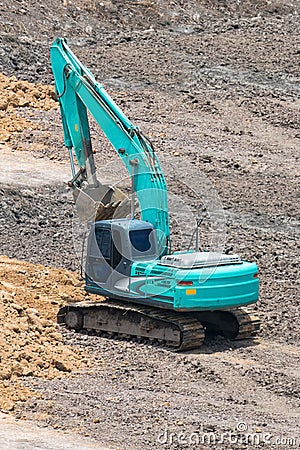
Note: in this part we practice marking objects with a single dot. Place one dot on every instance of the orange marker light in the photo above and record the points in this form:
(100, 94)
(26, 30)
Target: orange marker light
(190, 291)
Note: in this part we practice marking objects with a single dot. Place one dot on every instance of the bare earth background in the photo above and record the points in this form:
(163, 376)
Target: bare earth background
(215, 85)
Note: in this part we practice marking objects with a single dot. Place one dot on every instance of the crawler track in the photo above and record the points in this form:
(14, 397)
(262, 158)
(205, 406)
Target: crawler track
(167, 328)
(177, 331)
(248, 322)
(233, 323)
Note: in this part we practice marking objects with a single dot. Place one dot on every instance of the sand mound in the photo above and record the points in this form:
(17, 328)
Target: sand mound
(15, 94)
(30, 340)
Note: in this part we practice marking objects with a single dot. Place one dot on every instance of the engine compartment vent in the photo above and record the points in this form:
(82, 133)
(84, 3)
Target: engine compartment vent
(199, 259)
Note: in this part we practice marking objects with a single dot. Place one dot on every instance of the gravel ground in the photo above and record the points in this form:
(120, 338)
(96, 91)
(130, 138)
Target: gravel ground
(21, 436)
(138, 395)
(216, 87)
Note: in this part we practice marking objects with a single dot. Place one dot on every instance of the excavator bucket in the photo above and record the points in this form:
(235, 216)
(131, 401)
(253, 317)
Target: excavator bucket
(100, 203)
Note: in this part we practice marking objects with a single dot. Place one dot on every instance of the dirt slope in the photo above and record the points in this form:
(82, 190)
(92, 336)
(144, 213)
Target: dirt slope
(16, 93)
(31, 343)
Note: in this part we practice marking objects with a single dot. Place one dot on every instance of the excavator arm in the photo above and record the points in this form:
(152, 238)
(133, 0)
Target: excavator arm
(78, 92)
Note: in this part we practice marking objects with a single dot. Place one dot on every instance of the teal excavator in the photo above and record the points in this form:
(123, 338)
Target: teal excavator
(151, 294)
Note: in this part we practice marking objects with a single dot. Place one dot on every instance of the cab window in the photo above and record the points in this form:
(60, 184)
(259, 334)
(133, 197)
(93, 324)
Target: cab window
(140, 239)
(103, 242)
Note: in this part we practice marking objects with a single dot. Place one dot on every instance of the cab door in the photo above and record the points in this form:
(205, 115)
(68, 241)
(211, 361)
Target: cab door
(106, 263)
(99, 255)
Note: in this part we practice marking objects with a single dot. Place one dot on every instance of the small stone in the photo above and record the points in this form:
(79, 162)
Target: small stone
(60, 365)
(23, 102)
(5, 373)
(97, 420)
(18, 307)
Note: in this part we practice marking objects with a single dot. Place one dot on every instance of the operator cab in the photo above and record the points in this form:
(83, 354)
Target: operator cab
(113, 245)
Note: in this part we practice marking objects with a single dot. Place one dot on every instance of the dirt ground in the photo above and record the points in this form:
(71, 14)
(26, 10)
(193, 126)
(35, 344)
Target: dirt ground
(215, 85)
(27, 436)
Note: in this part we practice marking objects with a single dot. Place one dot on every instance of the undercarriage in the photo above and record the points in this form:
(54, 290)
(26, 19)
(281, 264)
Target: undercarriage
(167, 328)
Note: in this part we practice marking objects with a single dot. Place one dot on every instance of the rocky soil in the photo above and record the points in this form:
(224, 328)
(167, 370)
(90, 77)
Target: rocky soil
(215, 84)
(15, 94)
(31, 343)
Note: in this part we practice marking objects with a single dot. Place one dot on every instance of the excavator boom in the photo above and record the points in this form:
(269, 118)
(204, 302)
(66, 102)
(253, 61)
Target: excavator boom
(78, 91)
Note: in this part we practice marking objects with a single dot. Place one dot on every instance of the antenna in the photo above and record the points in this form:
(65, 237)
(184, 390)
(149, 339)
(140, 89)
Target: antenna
(199, 220)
